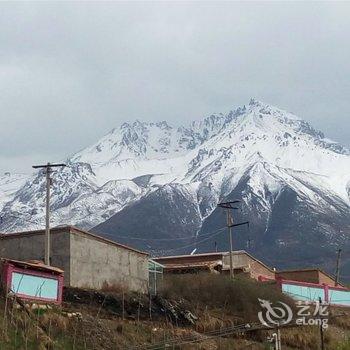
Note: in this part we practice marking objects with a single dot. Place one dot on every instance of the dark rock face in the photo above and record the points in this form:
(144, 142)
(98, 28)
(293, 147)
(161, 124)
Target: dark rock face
(291, 233)
(163, 221)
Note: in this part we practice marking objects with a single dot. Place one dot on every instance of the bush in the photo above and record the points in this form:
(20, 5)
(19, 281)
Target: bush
(238, 297)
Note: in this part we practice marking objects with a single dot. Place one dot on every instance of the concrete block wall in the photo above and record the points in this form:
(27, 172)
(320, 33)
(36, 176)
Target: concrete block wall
(87, 260)
(258, 270)
(310, 276)
(30, 246)
(241, 259)
(324, 279)
(95, 263)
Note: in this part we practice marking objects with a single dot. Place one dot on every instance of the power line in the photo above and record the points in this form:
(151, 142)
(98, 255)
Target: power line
(197, 242)
(243, 328)
(189, 339)
(272, 261)
(162, 239)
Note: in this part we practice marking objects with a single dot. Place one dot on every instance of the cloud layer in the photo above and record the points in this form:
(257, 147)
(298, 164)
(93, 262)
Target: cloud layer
(70, 72)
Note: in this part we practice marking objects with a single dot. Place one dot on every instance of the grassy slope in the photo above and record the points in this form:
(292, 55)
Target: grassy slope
(216, 301)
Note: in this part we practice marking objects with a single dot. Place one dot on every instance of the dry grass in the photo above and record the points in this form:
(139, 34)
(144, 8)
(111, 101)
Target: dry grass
(33, 330)
(216, 300)
(114, 288)
(238, 297)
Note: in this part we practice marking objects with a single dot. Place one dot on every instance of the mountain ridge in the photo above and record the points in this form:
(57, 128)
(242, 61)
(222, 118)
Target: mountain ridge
(262, 150)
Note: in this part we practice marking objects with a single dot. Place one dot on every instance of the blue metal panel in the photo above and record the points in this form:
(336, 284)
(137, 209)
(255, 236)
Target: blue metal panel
(340, 297)
(304, 293)
(34, 286)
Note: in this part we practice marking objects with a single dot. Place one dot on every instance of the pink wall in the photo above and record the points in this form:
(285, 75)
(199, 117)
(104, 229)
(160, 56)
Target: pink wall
(7, 273)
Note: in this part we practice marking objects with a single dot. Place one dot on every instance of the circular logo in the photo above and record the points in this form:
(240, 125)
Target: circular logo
(273, 316)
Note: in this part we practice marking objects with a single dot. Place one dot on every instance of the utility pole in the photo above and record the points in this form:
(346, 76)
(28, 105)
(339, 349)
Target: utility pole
(276, 338)
(48, 169)
(249, 243)
(279, 344)
(321, 329)
(230, 223)
(337, 271)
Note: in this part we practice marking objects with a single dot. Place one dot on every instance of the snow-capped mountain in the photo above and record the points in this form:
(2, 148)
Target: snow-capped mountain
(9, 185)
(157, 186)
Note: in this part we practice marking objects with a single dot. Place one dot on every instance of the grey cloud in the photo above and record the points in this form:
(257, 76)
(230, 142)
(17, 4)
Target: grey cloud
(70, 72)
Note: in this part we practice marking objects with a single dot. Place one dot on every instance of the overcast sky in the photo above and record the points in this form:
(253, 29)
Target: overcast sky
(70, 72)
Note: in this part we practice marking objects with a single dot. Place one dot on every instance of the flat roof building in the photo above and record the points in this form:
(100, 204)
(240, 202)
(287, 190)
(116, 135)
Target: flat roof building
(311, 275)
(218, 262)
(88, 260)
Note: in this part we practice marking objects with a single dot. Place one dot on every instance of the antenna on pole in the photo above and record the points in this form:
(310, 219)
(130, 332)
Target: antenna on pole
(228, 206)
(337, 271)
(48, 169)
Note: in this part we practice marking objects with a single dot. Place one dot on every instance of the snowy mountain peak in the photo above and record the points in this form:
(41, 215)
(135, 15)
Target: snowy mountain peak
(254, 102)
(152, 180)
(204, 160)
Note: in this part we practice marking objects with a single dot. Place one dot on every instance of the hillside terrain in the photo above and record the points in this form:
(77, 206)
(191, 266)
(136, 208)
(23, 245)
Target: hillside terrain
(206, 312)
(156, 187)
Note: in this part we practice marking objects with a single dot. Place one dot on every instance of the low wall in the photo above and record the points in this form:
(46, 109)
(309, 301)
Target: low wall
(30, 246)
(95, 263)
(313, 292)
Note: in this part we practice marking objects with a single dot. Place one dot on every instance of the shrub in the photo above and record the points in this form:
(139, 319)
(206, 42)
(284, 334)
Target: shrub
(239, 296)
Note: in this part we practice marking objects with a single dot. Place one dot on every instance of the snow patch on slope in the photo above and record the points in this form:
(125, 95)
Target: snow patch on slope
(208, 158)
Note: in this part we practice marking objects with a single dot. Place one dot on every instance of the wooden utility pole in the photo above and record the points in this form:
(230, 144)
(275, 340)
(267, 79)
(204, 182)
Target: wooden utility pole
(229, 222)
(48, 171)
(337, 271)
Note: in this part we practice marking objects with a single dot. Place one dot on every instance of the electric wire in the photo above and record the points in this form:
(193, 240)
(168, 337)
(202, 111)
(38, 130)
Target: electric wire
(247, 327)
(181, 340)
(163, 239)
(197, 242)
